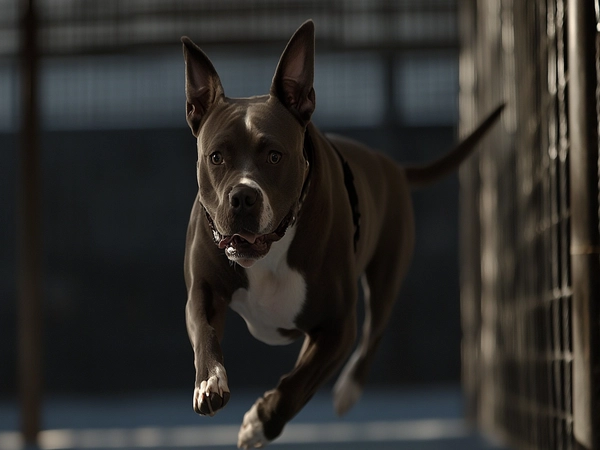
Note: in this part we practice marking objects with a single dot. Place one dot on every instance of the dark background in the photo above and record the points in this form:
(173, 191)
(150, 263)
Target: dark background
(118, 182)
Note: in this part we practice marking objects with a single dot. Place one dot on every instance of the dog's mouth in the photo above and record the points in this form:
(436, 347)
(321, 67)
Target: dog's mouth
(244, 247)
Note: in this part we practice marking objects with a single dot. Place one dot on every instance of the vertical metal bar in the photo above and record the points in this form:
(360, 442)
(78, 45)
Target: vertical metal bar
(391, 112)
(585, 239)
(469, 239)
(28, 234)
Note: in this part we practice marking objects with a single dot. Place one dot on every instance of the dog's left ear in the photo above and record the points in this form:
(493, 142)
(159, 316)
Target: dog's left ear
(202, 84)
(293, 80)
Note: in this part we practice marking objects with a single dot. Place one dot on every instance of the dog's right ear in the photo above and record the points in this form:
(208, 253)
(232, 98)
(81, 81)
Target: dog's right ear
(202, 84)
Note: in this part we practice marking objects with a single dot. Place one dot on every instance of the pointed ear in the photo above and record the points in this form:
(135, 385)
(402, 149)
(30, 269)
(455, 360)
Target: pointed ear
(293, 80)
(202, 84)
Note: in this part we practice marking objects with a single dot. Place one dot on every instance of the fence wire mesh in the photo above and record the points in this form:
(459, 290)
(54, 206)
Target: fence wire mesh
(516, 287)
(100, 60)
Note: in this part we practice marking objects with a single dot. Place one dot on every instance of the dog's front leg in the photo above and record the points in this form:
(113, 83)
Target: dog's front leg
(205, 319)
(322, 353)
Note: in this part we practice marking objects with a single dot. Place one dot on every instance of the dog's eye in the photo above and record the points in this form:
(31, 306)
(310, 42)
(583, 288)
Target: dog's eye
(216, 158)
(274, 157)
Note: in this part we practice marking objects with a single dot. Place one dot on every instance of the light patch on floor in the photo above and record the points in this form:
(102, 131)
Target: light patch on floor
(226, 435)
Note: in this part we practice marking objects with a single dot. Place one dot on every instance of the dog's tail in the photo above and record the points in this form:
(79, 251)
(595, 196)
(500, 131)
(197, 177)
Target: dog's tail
(423, 175)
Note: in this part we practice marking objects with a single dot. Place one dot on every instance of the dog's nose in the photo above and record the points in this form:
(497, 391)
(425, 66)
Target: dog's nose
(243, 198)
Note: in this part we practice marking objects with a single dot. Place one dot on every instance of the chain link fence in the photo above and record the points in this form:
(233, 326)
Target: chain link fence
(529, 223)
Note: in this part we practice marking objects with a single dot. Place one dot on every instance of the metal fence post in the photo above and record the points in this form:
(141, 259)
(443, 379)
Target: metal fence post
(28, 234)
(585, 237)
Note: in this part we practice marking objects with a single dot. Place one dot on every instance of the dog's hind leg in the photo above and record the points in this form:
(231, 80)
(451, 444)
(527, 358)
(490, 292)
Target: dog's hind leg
(381, 284)
(348, 387)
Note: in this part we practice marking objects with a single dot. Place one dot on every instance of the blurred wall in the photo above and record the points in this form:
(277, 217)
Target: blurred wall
(118, 181)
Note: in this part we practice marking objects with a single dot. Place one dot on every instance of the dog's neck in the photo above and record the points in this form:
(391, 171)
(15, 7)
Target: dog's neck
(309, 154)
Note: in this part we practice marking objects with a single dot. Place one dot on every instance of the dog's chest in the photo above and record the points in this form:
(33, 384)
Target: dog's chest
(275, 295)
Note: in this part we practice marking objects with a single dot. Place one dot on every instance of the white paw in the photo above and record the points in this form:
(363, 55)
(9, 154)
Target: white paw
(346, 391)
(212, 394)
(251, 433)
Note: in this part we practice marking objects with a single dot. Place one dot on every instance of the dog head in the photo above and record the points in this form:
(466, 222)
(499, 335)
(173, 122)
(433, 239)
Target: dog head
(251, 164)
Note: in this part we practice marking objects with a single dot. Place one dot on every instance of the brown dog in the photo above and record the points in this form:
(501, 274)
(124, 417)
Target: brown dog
(285, 223)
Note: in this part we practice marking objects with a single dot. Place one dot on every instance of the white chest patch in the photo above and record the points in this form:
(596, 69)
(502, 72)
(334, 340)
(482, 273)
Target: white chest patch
(274, 297)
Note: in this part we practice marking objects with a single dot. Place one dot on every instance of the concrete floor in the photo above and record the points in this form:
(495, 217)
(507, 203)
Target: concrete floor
(428, 418)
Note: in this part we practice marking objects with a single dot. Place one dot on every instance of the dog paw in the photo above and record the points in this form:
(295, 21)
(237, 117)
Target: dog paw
(212, 394)
(251, 433)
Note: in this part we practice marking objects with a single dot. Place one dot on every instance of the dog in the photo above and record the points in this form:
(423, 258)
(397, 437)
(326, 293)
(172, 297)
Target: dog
(286, 223)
